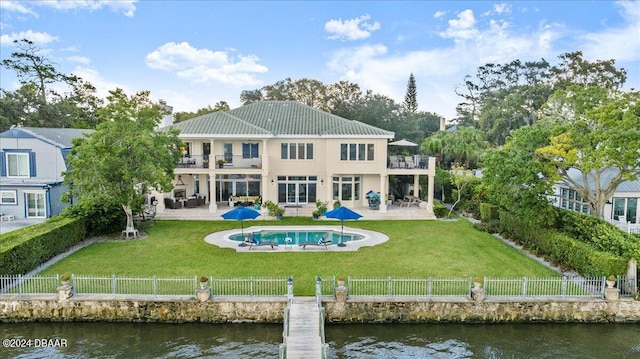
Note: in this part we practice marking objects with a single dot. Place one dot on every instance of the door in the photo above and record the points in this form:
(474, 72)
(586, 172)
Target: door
(36, 207)
(297, 193)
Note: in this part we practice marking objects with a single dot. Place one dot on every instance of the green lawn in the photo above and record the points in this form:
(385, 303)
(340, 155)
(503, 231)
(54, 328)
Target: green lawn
(415, 249)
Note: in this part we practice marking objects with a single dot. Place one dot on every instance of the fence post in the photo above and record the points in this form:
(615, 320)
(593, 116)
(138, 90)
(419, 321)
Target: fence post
(564, 287)
(318, 286)
(524, 286)
(429, 286)
(20, 283)
(155, 285)
(390, 286)
(113, 284)
(290, 288)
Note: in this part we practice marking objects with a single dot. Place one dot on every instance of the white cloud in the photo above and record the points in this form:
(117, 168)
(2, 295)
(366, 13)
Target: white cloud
(350, 30)
(499, 9)
(620, 43)
(15, 6)
(463, 27)
(126, 7)
(38, 38)
(439, 70)
(102, 85)
(204, 65)
(79, 59)
(439, 14)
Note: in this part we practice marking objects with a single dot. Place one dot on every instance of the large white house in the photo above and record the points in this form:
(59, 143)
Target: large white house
(290, 154)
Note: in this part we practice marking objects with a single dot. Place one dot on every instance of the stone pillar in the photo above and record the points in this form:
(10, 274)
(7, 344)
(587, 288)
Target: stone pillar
(342, 292)
(632, 270)
(477, 293)
(611, 294)
(65, 292)
(203, 294)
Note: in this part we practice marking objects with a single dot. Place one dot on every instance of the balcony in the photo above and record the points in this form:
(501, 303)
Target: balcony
(408, 162)
(220, 161)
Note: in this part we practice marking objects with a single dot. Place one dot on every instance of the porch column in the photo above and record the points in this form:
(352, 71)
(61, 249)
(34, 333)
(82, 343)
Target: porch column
(383, 193)
(432, 183)
(213, 194)
(264, 187)
(213, 205)
(416, 185)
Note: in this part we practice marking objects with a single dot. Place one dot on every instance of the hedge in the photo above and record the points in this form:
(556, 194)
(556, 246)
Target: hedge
(489, 212)
(440, 210)
(560, 249)
(23, 250)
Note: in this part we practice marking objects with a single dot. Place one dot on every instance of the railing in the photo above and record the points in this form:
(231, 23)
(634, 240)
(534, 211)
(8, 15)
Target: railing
(563, 287)
(324, 346)
(285, 321)
(157, 286)
(403, 287)
(211, 161)
(408, 162)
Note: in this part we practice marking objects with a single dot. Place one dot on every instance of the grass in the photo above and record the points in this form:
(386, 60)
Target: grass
(416, 249)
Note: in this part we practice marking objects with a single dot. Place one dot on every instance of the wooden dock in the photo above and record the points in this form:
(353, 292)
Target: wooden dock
(304, 329)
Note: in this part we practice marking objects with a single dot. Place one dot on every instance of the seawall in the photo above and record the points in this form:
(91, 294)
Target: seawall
(271, 310)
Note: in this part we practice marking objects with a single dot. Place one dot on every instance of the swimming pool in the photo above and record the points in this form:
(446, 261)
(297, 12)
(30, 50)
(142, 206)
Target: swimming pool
(296, 236)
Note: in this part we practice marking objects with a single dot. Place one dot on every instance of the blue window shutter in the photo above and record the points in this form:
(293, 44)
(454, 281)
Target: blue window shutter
(3, 167)
(32, 164)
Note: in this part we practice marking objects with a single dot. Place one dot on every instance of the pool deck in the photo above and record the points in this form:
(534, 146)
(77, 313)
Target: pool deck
(202, 213)
(371, 238)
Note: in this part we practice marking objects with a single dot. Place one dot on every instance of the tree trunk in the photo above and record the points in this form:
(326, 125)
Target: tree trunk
(129, 213)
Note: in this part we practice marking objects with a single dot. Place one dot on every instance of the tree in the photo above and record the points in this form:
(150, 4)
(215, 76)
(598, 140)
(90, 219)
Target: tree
(125, 157)
(513, 176)
(31, 67)
(464, 146)
(596, 131)
(183, 116)
(410, 98)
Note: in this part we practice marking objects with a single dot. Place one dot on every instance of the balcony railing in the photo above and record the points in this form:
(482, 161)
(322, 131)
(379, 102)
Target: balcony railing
(218, 161)
(408, 162)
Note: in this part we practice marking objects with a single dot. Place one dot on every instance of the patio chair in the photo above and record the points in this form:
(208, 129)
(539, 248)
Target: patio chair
(322, 242)
(408, 162)
(172, 204)
(192, 203)
(253, 241)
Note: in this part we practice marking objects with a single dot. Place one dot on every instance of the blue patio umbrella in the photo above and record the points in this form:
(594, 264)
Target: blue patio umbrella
(342, 213)
(240, 214)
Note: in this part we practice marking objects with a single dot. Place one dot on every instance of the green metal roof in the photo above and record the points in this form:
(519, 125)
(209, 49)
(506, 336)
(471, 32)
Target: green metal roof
(277, 118)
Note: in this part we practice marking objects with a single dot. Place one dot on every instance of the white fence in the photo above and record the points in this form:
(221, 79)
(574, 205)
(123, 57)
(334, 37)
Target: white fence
(559, 287)
(157, 286)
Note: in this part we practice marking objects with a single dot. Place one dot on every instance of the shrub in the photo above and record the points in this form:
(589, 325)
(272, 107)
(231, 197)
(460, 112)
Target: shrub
(440, 210)
(560, 249)
(488, 212)
(25, 249)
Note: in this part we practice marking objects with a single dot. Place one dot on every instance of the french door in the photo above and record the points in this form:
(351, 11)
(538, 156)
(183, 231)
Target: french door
(36, 205)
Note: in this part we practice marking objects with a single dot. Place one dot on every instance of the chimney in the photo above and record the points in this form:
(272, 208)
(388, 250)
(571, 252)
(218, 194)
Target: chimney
(442, 125)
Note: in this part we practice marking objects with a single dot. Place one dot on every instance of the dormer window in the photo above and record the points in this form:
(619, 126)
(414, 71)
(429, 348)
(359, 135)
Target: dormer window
(18, 164)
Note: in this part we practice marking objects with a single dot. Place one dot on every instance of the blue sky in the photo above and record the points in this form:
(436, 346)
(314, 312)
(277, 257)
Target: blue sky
(196, 53)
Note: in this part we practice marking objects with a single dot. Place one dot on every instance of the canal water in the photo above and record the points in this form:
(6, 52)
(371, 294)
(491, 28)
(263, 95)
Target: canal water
(196, 340)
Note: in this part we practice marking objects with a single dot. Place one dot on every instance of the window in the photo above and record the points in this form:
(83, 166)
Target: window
(626, 208)
(228, 152)
(571, 200)
(18, 163)
(8, 197)
(299, 151)
(357, 152)
(346, 188)
(250, 150)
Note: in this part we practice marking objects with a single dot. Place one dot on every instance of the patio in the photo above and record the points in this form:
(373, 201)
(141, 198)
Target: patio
(394, 212)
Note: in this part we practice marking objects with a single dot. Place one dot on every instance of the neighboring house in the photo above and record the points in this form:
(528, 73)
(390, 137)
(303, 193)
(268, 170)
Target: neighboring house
(32, 160)
(622, 206)
(290, 154)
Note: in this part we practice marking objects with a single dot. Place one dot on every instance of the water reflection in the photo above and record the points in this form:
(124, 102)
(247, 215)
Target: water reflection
(148, 340)
(484, 341)
(196, 340)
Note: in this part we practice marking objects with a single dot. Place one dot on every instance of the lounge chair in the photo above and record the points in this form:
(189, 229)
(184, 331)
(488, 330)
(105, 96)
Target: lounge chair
(253, 241)
(322, 242)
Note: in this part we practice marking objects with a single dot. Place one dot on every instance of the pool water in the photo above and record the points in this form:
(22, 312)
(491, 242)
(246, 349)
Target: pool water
(297, 237)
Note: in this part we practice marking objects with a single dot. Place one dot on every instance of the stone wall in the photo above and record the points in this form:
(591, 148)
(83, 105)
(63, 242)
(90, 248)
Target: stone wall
(235, 310)
(141, 310)
(490, 311)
